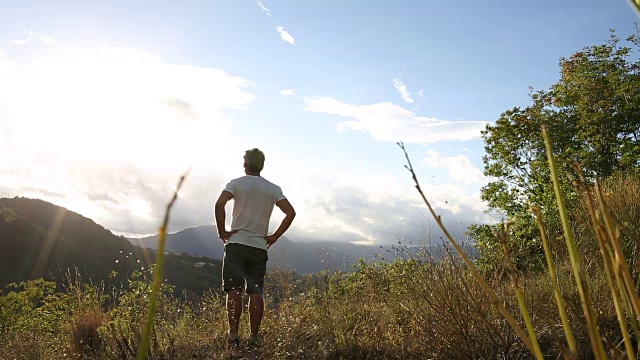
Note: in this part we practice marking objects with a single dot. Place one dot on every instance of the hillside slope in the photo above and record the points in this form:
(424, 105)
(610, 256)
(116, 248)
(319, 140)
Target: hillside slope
(42, 240)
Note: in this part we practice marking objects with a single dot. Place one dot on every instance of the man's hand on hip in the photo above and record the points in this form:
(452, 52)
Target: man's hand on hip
(225, 235)
(271, 239)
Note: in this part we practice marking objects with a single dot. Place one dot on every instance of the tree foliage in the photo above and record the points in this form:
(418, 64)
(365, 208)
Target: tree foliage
(593, 113)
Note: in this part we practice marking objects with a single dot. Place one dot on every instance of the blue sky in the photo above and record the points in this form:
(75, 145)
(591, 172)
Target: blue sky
(88, 93)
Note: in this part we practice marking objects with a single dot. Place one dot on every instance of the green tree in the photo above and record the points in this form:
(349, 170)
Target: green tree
(593, 113)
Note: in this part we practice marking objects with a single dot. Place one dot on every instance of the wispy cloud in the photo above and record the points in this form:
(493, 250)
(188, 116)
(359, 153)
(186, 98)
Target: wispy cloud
(287, 92)
(6, 65)
(47, 40)
(285, 35)
(420, 93)
(402, 89)
(386, 121)
(459, 167)
(31, 36)
(26, 40)
(262, 7)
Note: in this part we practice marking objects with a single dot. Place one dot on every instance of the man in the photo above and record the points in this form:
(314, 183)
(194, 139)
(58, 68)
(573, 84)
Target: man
(245, 250)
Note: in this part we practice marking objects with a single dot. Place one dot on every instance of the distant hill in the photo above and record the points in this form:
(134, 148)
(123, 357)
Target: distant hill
(304, 257)
(39, 239)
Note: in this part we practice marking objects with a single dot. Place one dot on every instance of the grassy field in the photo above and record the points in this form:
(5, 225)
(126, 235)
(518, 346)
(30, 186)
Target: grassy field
(408, 309)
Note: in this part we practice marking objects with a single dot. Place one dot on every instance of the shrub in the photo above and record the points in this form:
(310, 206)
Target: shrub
(85, 338)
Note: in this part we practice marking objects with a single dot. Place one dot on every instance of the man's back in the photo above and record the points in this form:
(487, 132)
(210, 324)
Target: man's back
(254, 199)
(245, 253)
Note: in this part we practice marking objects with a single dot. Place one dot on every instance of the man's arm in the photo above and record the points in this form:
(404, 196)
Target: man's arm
(289, 213)
(225, 196)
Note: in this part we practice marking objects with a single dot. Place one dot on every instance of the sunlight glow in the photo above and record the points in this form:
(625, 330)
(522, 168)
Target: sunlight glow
(121, 104)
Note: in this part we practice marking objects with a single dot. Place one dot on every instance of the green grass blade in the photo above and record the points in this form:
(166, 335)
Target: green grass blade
(612, 273)
(502, 237)
(587, 307)
(157, 279)
(562, 311)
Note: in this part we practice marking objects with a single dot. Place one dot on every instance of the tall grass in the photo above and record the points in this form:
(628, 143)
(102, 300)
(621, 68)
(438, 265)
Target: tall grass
(617, 272)
(474, 271)
(576, 266)
(410, 309)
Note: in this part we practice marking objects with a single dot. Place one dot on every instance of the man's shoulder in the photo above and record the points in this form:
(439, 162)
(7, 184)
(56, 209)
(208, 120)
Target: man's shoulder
(241, 179)
(269, 183)
(247, 179)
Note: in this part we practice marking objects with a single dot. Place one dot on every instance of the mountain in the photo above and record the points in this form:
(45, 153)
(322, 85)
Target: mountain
(200, 240)
(42, 240)
(304, 257)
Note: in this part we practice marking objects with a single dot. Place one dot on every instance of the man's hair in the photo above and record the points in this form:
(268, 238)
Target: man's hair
(254, 159)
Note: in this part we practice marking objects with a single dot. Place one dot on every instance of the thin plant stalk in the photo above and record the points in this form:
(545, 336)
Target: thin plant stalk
(620, 265)
(609, 259)
(635, 5)
(587, 307)
(621, 268)
(474, 271)
(626, 297)
(615, 284)
(629, 308)
(562, 311)
(502, 237)
(157, 277)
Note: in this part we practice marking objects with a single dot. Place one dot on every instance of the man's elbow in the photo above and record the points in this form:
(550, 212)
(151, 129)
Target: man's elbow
(292, 214)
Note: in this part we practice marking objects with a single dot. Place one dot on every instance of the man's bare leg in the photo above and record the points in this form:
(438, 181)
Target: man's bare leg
(256, 311)
(234, 311)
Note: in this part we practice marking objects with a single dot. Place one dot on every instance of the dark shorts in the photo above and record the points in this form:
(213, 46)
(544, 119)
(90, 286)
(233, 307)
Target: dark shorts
(243, 268)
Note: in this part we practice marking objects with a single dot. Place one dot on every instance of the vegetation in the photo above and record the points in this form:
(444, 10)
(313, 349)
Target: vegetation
(41, 240)
(593, 113)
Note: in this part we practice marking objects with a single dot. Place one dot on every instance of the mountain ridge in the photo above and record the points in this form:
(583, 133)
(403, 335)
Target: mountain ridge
(301, 256)
(42, 240)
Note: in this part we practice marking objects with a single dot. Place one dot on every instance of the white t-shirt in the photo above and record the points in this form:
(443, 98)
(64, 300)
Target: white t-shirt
(254, 198)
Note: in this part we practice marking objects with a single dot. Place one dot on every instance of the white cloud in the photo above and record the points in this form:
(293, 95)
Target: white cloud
(366, 207)
(6, 65)
(459, 167)
(26, 40)
(107, 132)
(262, 7)
(47, 40)
(420, 93)
(287, 92)
(388, 122)
(30, 36)
(285, 35)
(87, 100)
(402, 89)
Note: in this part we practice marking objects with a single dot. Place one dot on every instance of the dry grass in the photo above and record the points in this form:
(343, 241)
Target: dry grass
(409, 309)
(86, 342)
